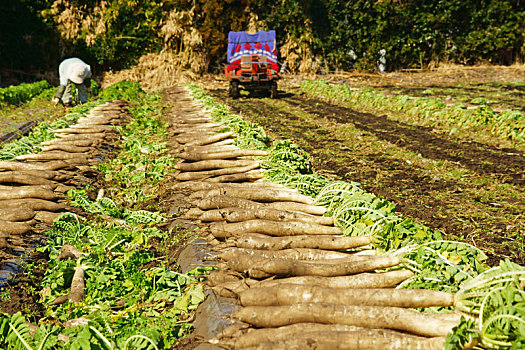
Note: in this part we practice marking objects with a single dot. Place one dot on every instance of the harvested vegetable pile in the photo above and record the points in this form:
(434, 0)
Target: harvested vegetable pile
(32, 185)
(84, 186)
(320, 264)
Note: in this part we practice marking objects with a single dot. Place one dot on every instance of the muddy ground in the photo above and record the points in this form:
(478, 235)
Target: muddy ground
(470, 191)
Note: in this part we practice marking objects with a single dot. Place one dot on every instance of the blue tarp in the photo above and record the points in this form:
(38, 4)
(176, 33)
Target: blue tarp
(242, 44)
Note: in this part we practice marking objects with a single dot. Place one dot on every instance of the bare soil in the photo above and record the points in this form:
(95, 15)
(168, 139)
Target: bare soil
(22, 294)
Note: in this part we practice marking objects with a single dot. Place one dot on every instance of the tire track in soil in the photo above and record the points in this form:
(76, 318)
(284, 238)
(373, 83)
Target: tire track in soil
(405, 185)
(506, 165)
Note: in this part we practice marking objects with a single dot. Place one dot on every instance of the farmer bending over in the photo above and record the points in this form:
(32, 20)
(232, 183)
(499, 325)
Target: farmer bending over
(73, 70)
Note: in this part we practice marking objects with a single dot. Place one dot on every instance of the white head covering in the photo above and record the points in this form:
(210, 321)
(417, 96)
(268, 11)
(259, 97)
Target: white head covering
(77, 73)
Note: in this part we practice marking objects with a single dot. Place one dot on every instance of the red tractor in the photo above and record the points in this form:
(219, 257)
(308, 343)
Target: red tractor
(252, 62)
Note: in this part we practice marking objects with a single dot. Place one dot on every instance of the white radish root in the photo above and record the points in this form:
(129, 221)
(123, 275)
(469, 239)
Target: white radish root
(32, 203)
(197, 175)
(289, 294)
(414, 322)
(272, 228)
(17, 214)
(259, 241)
(19, 192)
(248, 176)
(224, 155)
(214, 164)
(268, 195)
(264, 268)
(239, 214)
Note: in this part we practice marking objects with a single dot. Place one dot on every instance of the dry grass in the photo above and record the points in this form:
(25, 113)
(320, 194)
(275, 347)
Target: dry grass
(297, 53)
(445, 74)
(182, 38)
(254, 25)
(72, 19)
(181, 60)
(155, 71)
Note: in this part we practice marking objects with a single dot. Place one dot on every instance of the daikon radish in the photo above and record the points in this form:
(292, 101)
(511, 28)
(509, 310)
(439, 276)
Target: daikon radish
(388, 279)
(32, 203)
(292, 253)
(21, 166)
(17, 214)
(65, 142)
(15, 228)
(218, 276)
(18, 177)
(259, 241)
(211, 139)
(66, 148)
(369, 339)
(69, 252)
(77, 289)
(320, 335)
(224, 155)
(197, 175)
(52, 155)
(263, 268)
(272, 228)
(289, 294)
(19, 192)
(214, 164)
(268, 195)
(232, 202)
(197, 186)
(239, 214)
(418, 323)
(247, 176)
(46, 217)
(362, 280)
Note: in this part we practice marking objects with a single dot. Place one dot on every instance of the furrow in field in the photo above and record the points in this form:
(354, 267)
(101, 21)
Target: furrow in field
(505, 165)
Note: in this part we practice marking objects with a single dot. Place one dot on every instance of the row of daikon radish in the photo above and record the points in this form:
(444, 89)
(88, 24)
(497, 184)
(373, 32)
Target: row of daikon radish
(301, 284)
(32, 185)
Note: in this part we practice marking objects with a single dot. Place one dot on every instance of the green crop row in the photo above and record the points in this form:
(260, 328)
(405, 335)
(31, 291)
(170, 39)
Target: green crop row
(427, 111)
(493, 298)
(17, 94)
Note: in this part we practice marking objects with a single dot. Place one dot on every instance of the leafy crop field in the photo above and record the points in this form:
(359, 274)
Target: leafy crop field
(426, 189)
(442, 260)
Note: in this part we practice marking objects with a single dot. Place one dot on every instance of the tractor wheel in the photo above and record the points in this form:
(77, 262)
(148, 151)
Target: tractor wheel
(233, 92)
(273, 90)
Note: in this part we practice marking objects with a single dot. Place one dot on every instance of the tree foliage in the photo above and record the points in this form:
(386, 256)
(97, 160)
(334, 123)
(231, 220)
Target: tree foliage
(26, 43)
(311, 33)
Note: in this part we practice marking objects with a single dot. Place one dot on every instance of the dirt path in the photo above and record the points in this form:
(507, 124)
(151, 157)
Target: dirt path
(468, 190)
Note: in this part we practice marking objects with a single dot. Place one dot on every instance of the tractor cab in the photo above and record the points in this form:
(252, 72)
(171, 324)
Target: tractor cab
(252, 62)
